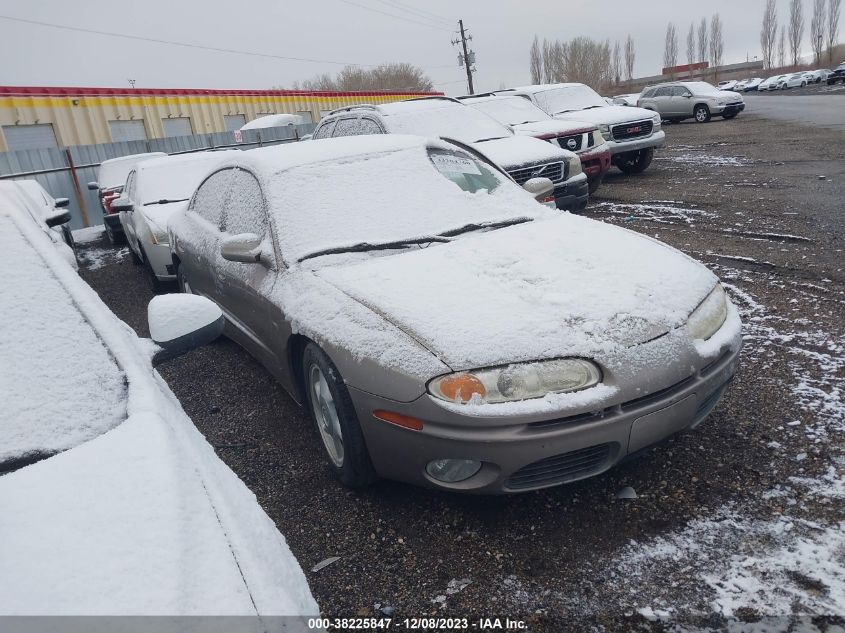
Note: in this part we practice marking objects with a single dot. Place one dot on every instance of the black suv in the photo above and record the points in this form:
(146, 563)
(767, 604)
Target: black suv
(837, 75)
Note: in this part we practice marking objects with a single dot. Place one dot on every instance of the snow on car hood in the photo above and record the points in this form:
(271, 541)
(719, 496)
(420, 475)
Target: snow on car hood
(159, 214)
(566, 286)
(552, 127)
(515, 151)
(610, 115)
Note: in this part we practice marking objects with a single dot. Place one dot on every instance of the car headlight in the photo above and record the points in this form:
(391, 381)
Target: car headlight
(657, 122)
(709, 316)
(520, 381)
(598, 138)
(605, 131)
(575, 166)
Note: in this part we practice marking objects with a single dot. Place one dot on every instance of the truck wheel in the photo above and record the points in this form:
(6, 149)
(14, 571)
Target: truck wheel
(331, 409)
(701, 113)
(635, 162)
(593, 184)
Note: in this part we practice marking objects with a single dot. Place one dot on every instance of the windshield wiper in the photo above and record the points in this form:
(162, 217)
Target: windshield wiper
(492, 138)
(362, 247)
(563, 112)
(165, 201)
(592, 106)
(484, 225)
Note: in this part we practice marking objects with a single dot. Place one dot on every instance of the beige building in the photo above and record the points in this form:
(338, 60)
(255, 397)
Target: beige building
(37, 117)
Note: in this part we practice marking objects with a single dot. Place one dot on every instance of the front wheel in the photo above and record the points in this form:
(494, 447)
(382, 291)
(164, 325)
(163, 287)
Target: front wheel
(114, 237)
(701, 113)
(331, 408)
(593, 184)
(635, 162)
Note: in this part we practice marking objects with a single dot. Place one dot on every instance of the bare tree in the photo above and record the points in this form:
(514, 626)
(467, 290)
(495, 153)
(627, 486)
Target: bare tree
(717, 41)
(703, 40)
(833, 11)
(670, 48)
(387, 77)
(691, 46)
(580, 60)
(616, 64)
(536, 61)
(769, 33)
(630, 57)
(548, 61)
(796, 29)
(817, 29)
(782, 47)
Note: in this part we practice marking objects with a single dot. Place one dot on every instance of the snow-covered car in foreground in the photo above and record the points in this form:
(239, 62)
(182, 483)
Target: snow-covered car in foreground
(111, 177)
(463, 337)
(155, 189)
(526, 119)
(112, 501)
(631, 133)
(50, 214)
(522, 157)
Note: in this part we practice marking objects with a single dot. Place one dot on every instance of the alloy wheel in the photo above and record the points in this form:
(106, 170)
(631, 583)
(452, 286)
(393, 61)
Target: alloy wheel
(325, 413)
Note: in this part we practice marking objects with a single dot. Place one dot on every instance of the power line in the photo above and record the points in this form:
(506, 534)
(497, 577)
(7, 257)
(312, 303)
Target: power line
(428, 15)
(393, 15)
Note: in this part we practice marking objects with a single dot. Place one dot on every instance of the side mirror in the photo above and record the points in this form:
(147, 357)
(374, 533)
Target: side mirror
(688, 95)
(62, 217)
(121, 204)
(93, 186)
(61, 203)
(540, 188)
(181, 322)
(243, 247)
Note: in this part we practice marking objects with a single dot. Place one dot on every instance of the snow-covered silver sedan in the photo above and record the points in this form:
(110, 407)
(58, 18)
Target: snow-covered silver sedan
(441, 326)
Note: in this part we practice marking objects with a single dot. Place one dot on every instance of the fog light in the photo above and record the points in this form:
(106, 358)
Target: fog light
(452, 470)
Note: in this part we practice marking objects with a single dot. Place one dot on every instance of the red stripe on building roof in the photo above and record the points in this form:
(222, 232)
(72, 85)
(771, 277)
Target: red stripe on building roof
(63, 91)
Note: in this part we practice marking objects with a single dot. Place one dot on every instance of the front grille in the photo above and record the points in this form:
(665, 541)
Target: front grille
(561, 468)
(553, 171)
(636, 129)
(573, 142)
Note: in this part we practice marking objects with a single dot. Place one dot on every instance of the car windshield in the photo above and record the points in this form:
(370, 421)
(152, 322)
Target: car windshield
(169, 180)
(510, 110)
(568, 99)
(412, 195)
(447, 119)
(113, 173)
(701, 87)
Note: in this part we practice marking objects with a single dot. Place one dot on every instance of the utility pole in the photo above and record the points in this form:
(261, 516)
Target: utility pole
(467, 59)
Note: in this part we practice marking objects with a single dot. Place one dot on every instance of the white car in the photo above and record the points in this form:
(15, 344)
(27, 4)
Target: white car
(631, 133)
(795, 80)
(113, 503)
(727, 85)
(155, 189)
(772, 83)
(274, 120)
(818, 76)
(49, 213)
(752, 84)
(111, 176)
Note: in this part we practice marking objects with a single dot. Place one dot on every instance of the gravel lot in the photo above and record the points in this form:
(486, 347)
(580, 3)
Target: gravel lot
(718, 512)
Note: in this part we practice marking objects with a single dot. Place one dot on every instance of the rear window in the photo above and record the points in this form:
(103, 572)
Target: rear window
(469, 174)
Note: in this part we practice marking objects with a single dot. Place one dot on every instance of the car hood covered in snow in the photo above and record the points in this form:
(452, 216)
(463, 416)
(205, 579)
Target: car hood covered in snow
(557, 127)
(566, 286)
(610, 115)
(516, 151)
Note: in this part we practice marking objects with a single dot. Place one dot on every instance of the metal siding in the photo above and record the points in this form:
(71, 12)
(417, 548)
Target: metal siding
(36, 136)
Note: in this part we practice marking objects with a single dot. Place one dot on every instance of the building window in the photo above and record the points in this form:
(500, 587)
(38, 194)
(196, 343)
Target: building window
(177, 126)
(29, 136)
(127, 131)
(234, 121)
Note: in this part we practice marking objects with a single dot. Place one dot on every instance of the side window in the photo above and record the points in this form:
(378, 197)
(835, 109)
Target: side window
(369, 126)
(246, 210)
(662, 92)
(679, 91)
(129, 187)
(210, 199)
(325, 129)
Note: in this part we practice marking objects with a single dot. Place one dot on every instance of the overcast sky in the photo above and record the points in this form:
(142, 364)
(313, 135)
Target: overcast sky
(334, 31)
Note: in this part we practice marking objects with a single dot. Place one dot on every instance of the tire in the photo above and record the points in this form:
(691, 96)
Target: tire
(137, 261)
(701, 113)
(115, 239)
(593, 184)
(182, 281)
(330, 407)
(67, 236)
(803, 84)
(153, 282)
(635, 162)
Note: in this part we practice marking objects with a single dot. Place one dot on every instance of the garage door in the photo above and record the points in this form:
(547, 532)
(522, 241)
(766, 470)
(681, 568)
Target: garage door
(234, 121)
(180, 126)
(127, 131)
(29, 136)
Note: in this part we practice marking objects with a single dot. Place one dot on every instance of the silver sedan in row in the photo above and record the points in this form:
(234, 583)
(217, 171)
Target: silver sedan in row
(442, 327)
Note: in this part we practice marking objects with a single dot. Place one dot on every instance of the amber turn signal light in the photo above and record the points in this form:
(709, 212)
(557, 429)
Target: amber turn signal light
(405, 421)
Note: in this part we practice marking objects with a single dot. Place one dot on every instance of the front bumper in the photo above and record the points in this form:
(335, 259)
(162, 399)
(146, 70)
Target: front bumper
(620, 147)
(731, 108)
(524, 453)
(596, 161)
(161, 260)
(573, 194)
